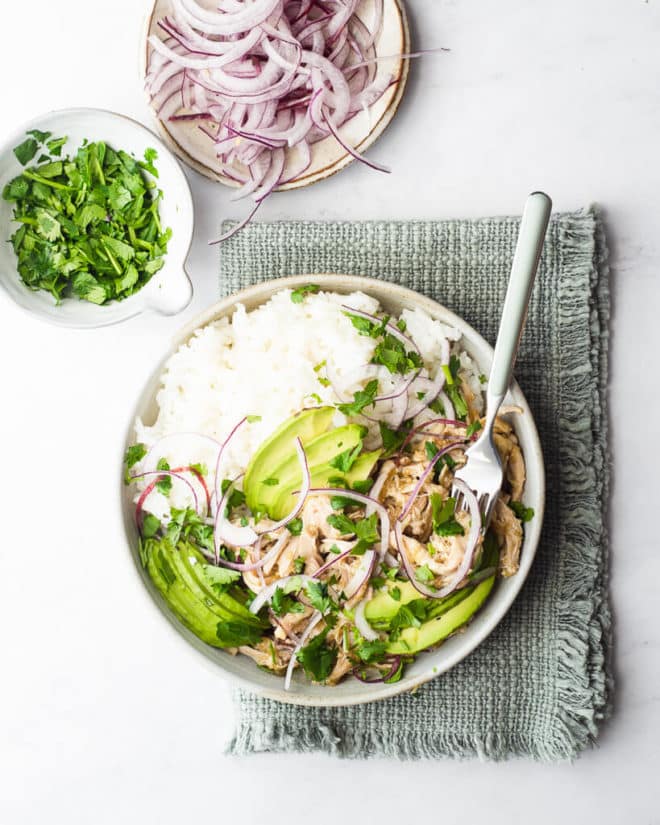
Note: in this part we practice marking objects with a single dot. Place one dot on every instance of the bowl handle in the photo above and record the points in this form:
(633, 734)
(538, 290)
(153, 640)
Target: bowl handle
(173, 294)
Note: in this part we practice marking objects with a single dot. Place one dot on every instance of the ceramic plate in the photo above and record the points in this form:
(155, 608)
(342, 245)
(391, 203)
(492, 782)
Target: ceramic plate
(328, 156)
(242, 670)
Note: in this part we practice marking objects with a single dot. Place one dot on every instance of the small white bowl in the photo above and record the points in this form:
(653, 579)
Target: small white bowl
(169, 290)
(242, 670)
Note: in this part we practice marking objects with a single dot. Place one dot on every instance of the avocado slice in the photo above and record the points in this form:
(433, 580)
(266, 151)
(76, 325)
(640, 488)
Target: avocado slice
(321, 476)
(184, 604)
(319, 451)
(221, 602)
(382, 608)
(434, 631)
(279, 446)
(217, 619)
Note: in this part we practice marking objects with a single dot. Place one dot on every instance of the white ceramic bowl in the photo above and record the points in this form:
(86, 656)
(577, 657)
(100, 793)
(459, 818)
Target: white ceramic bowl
(242, 670)
(170, 290)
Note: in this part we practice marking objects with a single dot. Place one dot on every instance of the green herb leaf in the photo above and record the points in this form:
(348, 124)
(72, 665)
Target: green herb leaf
(26, 151)
(361, 399)
(150, 526)
(525, 514)
(298, 295)
(271, 482)
(282, 603)
(424, 574)
(344, 461)
(295, 526)
(299, 565)
(372, 652)
(318, 596)
(318, 658)
(474, 427)
(392, 439)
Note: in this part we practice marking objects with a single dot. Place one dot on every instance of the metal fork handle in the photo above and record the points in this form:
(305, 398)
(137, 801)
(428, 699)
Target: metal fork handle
(533, 226)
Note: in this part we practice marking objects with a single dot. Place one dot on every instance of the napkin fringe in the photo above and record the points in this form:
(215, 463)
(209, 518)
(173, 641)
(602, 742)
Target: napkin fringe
(584, 623)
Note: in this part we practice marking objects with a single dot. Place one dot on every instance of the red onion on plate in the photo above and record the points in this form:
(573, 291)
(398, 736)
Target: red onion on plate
(265, 76)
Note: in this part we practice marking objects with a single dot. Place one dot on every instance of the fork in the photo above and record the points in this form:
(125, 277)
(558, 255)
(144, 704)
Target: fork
(482, 472)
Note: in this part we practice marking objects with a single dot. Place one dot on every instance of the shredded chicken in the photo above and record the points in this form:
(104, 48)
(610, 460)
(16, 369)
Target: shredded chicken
(508, 530)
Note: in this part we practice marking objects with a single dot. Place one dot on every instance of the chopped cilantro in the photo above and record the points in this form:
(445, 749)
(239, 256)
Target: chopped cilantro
(401, 325)
(395, 593)
(361, 399)
(319, 598)
(299, 565)
(200, 469)
(474, 427)
(282, 603)
(431, 449)
(392, 439)
(318, 658)
(345, 460)
(437, 407)
(295, 526)
(444, 523)
(372, 652)
(483, 379)
(150, 526)
(342, 523)
(525, 514)
(315, 397)
(220, 577)
(90, 226)
(271, 482)
(298, 295)
(236, 498)
(392, 354)
(424, 574)
(134, 454)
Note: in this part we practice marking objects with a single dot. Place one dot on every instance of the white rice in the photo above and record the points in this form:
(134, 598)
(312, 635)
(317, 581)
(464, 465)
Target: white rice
(262, 363)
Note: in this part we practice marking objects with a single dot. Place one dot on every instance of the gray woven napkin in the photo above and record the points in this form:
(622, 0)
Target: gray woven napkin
(540, 684)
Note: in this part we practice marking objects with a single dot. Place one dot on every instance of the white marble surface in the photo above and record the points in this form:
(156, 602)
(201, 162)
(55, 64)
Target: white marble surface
(105, 717)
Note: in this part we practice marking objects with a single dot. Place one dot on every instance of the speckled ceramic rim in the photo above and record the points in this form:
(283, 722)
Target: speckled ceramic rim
(492, 613)
(310, 177)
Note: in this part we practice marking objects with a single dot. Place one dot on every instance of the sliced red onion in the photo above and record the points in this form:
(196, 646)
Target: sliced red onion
(361, 622)
(221, 451)
(368, 501)
(362, 574)
(227, 533)
(468, 557)
(352, 152)
(302, 493)
(316, 618)
(395, 664)
(222, 65)
(450, 422)
(173, 475)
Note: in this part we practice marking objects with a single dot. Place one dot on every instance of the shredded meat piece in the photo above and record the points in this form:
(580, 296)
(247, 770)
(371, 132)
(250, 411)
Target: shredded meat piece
(302, 546)
(315, 518)
(267, 654)
(446, 553)
(509, 534)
